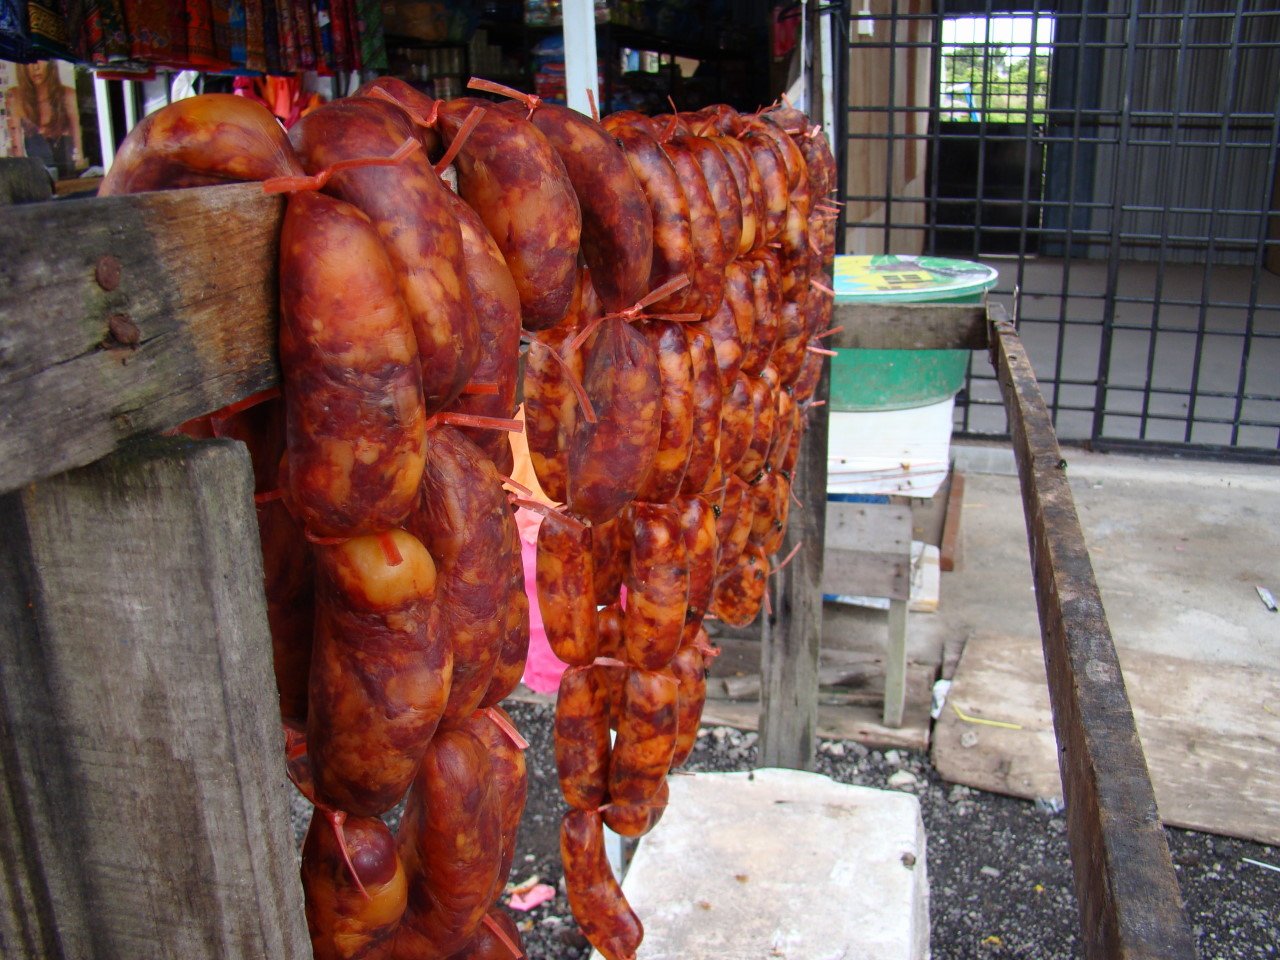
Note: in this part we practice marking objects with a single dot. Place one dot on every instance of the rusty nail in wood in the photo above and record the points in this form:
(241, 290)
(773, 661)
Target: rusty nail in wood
(107, 272)
(123, 330)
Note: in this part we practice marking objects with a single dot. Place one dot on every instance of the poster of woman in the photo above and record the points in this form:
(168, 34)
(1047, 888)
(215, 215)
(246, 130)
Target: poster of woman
(42, 116)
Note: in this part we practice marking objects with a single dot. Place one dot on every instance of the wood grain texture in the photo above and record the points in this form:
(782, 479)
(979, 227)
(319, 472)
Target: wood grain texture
(197, 281)
(949, 549)
(1130, 904)
(145, 805)
(1214, 756)
(789, 655)
(867, 550)
(909, 326)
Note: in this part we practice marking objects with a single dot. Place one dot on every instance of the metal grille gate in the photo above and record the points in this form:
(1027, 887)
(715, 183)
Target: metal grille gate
(1116, 161)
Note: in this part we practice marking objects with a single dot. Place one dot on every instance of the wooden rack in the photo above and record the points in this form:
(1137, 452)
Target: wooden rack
(139, 748)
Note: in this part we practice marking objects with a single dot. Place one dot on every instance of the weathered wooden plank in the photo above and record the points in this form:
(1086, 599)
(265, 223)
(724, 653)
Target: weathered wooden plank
(910, 326)
(193, 282)
(789, 653)
(895, 664)
(145, 806)
(1130, 904)
(949, 549)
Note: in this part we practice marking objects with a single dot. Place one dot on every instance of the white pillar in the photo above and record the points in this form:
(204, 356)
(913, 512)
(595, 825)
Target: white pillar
(581, 72)
(105, 139)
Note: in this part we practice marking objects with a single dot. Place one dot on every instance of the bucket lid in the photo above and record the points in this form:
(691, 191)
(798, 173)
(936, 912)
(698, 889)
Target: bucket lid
(904, 279)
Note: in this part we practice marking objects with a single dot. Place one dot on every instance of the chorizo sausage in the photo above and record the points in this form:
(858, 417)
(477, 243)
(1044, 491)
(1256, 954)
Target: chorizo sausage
(765, 413)
(450, 841)
(497, 310)
(510, 175)
(773, 176)
(617, 224)
(646, 738)
(793, 161)
(740, 593)
(200, 141)
(675, 431)
(726, 325)
(595, 897)
(345, 921)
(785, 423)
(771, 542)
(708, 398)
(737, 422)
(566, 588)
(794, 255)
(419, 107)
(657, 587)
(495, 731)
(698, 525)
(609, 459)
(610, 548)
(750, 192)
(689, 670)
(735, 493)
(463, 517)
(497, 938)
(733, 543)
(550, 403)
(709, 253)
(407, 204)
(673, 252)
(766, 302)
(353, 390)
(637, 819)
(582, 736)
(793, 336)
(379, 674)
(724, 192)
(612, 647)
(513, 645)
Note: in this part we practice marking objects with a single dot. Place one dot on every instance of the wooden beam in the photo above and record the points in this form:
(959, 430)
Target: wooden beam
(909, 326)
(791, 644)
(178, 322)
(949, 549)
(1130, 904)
(145, 808)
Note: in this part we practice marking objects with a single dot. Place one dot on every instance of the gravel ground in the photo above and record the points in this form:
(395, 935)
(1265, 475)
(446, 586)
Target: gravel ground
(999, 875)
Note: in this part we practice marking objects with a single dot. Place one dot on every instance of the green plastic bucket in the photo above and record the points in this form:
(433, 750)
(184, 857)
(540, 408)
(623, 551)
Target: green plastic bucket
(901, 379)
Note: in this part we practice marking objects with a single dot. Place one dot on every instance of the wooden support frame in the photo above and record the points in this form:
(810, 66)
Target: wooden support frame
(76, 386)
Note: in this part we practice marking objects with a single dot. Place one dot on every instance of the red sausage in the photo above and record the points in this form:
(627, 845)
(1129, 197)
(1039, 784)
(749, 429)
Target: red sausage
(673, 251)
(513, 644)
(566, 588)
(737, 422)
(710, 255)
(493, 729)
(735, 493)
(379, 674)
(689, 670)
(582, 736)
(657, 587)
(610, 548)
(408, 206)
(450, 842)
(724, 191)
(494, 939)
(675, 434)
(767, 305)
(510, 175)
(635, 820)
(464, 519)
(617, 225)
(646, 738)
(750, 192)
(740, 593)
(708, 399)
(698, 526)
(215, 138)
(765, 410)
(613, 647)
(595, 897)
(345, 923)
(609, 459)
(733, 542)
(497, 310)
(773, 176)
(356, 422)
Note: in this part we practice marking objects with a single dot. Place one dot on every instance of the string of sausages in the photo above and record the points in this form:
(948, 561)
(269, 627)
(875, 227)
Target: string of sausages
(668, 277)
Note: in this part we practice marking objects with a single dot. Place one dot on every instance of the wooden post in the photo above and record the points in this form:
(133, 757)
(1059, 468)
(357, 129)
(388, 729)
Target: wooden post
(790, 647)
(895, 664)
(144, 810)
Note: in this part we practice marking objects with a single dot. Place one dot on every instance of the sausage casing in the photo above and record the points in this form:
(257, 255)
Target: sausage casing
(380, 675)
(595, 896)
(657, 587)
(675, 433)
(582, 736)
(353, 390)
(646, 738)
(708, 398)
(566, 588)
(689, 669)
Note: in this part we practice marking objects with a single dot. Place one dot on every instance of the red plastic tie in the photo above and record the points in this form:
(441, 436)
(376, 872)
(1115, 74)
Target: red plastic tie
(317, 180)
(496, 929)
(588, 411)
(267, 496)
(790, 556)
(507, 727)
(464, 131)
(320, 541)
(517, 484)
(381, 93)
(821, 350)
(591, 99)
(336, 820)
(481, 388)
(530, 100)
(454, 419)
(389, 549)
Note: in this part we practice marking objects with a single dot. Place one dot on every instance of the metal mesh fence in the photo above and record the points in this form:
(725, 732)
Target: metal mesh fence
(1116, 161)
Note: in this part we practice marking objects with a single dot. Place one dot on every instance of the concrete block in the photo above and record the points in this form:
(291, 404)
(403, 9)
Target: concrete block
(785, 864)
